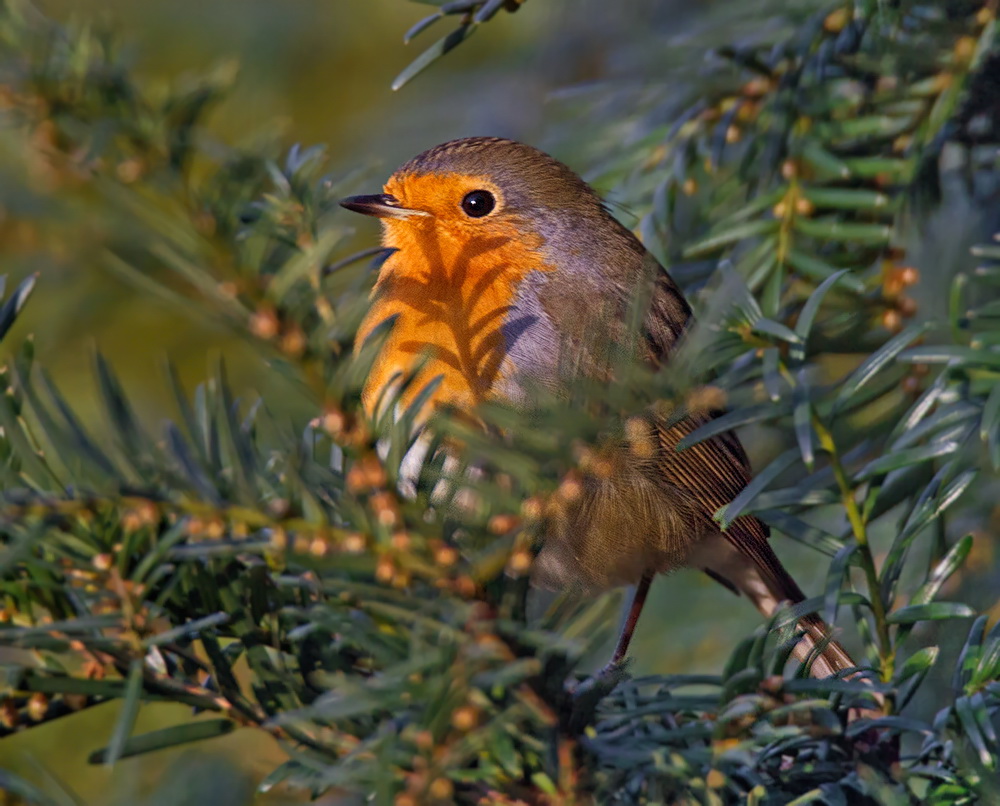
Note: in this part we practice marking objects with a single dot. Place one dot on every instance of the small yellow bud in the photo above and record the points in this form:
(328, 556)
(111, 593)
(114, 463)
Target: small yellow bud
(354, 543)
(465, 718)
(520, 561)
(38, 704)
(441, 789)
(965, 49)
(836, 21)
(103, 562)
(385, 570)
(264, 324)
(892, 321)
(446, 556)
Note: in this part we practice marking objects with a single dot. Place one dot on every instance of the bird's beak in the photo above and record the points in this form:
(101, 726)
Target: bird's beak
(380, 205)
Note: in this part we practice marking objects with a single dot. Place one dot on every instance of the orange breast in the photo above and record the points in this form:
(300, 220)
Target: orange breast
(451, 294)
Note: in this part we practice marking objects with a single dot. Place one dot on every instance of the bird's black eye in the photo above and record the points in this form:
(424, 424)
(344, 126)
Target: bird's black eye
(478, 203)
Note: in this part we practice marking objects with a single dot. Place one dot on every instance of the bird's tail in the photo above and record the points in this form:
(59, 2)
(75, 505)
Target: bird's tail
(766, 583)
(830, 659)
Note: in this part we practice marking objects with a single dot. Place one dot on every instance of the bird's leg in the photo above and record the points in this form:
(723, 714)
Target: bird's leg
(589, 692)
(628, 628)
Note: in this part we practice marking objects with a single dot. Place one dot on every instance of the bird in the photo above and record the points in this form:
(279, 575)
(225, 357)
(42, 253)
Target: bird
(503, 261)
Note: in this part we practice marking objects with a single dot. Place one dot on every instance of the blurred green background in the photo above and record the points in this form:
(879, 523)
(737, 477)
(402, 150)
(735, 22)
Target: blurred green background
(319, 72)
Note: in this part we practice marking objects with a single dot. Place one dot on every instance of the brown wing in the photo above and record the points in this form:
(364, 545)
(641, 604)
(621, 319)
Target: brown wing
(668, 313)
(714, 471)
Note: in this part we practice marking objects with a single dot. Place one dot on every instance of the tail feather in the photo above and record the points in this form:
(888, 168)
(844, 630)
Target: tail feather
(831, 657)
(767, 587)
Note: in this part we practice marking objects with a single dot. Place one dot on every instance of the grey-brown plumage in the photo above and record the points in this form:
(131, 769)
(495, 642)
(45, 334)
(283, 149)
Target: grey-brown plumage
(650, 510)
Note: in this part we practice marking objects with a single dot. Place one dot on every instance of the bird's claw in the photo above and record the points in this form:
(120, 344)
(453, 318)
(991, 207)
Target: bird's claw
(586, 694)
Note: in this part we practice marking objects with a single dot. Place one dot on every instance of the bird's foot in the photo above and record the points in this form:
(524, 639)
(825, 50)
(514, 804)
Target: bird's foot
(586, 694)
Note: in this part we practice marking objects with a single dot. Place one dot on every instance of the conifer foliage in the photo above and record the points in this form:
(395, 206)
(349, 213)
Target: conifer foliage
(272, 575)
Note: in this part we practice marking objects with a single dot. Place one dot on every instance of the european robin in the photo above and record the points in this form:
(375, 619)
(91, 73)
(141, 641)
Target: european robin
(504, 259)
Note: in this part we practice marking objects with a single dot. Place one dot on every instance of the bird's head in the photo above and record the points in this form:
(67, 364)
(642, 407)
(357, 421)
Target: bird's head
(482, 188)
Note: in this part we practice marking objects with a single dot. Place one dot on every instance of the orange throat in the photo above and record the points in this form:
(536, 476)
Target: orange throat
(451, 294)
